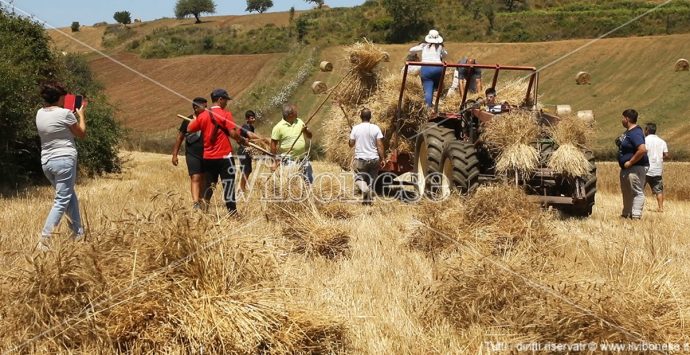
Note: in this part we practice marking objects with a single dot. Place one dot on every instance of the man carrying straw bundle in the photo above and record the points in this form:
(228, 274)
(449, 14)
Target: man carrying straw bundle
(367, 139)
(632, 158)
(288, 137)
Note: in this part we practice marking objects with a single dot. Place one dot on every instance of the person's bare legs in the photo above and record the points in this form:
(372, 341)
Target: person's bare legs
(660, 201)
(243, 182)
(197, 181)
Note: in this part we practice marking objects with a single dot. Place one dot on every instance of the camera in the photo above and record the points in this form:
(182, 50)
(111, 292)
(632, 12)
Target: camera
(619, 140)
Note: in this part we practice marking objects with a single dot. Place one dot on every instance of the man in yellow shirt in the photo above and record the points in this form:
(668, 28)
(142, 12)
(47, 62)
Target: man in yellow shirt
(288, 140)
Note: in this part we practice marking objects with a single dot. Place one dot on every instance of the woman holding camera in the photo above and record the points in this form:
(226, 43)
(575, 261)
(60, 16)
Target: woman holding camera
(57, 128)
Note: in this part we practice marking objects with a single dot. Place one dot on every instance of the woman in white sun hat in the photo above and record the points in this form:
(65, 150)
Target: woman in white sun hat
(432, 51)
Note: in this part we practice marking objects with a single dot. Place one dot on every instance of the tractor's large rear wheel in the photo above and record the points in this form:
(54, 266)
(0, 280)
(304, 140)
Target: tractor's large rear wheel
(461, 166)
(584, 209)
(428, 155)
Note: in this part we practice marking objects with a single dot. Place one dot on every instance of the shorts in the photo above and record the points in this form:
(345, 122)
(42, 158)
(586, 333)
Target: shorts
(366, 170)
(194, 164)
(246, 164)
(656, 183)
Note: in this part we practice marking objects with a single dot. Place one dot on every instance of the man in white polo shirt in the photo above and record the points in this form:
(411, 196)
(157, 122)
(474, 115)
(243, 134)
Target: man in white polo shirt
(367, 139)
(657, 151)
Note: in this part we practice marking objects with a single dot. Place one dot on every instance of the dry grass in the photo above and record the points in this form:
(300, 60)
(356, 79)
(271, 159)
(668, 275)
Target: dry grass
(675, 177)
(505, 272)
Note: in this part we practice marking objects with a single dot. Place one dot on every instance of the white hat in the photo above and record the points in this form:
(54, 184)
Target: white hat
(433, 37)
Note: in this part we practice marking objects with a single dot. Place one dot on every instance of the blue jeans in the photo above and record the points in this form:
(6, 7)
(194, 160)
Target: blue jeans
(305, 168)
(62, 174)
(431, 79)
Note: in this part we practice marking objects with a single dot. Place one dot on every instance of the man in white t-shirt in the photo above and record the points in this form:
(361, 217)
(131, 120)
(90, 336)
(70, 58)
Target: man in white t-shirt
(367, 139)
(657, 151)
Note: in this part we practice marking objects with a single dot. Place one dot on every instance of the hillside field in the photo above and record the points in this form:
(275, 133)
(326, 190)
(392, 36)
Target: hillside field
(635, 72)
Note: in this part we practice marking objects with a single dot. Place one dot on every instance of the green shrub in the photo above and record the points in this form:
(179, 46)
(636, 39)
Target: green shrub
(75, 26)
(116, 34)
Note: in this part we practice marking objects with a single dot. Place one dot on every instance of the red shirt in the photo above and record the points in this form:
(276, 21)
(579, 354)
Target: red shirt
(216, 143)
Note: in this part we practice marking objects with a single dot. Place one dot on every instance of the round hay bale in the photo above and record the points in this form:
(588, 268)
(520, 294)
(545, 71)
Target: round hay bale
(326, 66)
(586, 116)
(319, 87)
(583, 78)
(682, 65)
(563, 110)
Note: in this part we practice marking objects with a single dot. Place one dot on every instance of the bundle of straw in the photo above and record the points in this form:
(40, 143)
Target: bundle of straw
(362, 76)
(314, 235)
(571, 130)
(569, 160)
(520, 158)
(167, 280)
(572, 136)
(510, 137)
(365, 56)
(384, 104)
(336, 135)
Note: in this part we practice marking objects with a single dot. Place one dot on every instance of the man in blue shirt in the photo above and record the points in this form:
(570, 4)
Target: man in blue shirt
(632, 158)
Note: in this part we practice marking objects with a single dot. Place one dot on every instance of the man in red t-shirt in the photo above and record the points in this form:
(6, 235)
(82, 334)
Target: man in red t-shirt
(217, 126)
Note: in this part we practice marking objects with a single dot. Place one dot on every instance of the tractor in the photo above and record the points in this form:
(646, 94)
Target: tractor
(449, 154)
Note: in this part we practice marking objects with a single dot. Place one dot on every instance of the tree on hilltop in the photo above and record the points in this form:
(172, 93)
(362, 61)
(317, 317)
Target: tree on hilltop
(318, 3)
(259, 6)
(123, 17)
(185, 8)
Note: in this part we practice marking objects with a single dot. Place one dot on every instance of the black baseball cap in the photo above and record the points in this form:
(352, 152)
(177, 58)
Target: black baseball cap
(218, 93)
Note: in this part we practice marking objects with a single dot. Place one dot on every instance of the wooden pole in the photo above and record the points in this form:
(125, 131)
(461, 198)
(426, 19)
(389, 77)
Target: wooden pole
(318, 109)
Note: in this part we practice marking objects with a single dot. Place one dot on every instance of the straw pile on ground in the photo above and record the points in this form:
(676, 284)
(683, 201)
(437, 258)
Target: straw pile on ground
(165, 281)
(495, 214)
(298, 211)
(571, 136)
(509, 271)
(510, 137)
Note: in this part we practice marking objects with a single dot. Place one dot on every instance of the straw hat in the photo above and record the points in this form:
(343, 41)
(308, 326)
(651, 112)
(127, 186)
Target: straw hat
(433, 37)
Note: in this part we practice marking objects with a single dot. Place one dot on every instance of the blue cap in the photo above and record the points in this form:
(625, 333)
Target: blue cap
(220, 93)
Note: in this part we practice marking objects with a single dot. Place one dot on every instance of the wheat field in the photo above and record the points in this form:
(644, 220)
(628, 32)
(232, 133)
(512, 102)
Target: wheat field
(486, 274)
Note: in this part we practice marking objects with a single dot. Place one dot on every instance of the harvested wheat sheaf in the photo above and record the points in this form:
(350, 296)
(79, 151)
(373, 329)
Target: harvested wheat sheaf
(510, 136)
(570, 161)
(510, 271)
(336, 135)
(362, 77)
(571, 130)
(164, 281)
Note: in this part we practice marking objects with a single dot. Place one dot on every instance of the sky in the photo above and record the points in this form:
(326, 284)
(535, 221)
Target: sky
(61, 13)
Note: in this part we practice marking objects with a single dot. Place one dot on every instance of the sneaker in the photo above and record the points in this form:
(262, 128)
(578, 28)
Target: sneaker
(197, 206)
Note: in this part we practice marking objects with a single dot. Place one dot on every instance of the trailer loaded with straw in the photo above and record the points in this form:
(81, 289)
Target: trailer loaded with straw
(458, 145)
